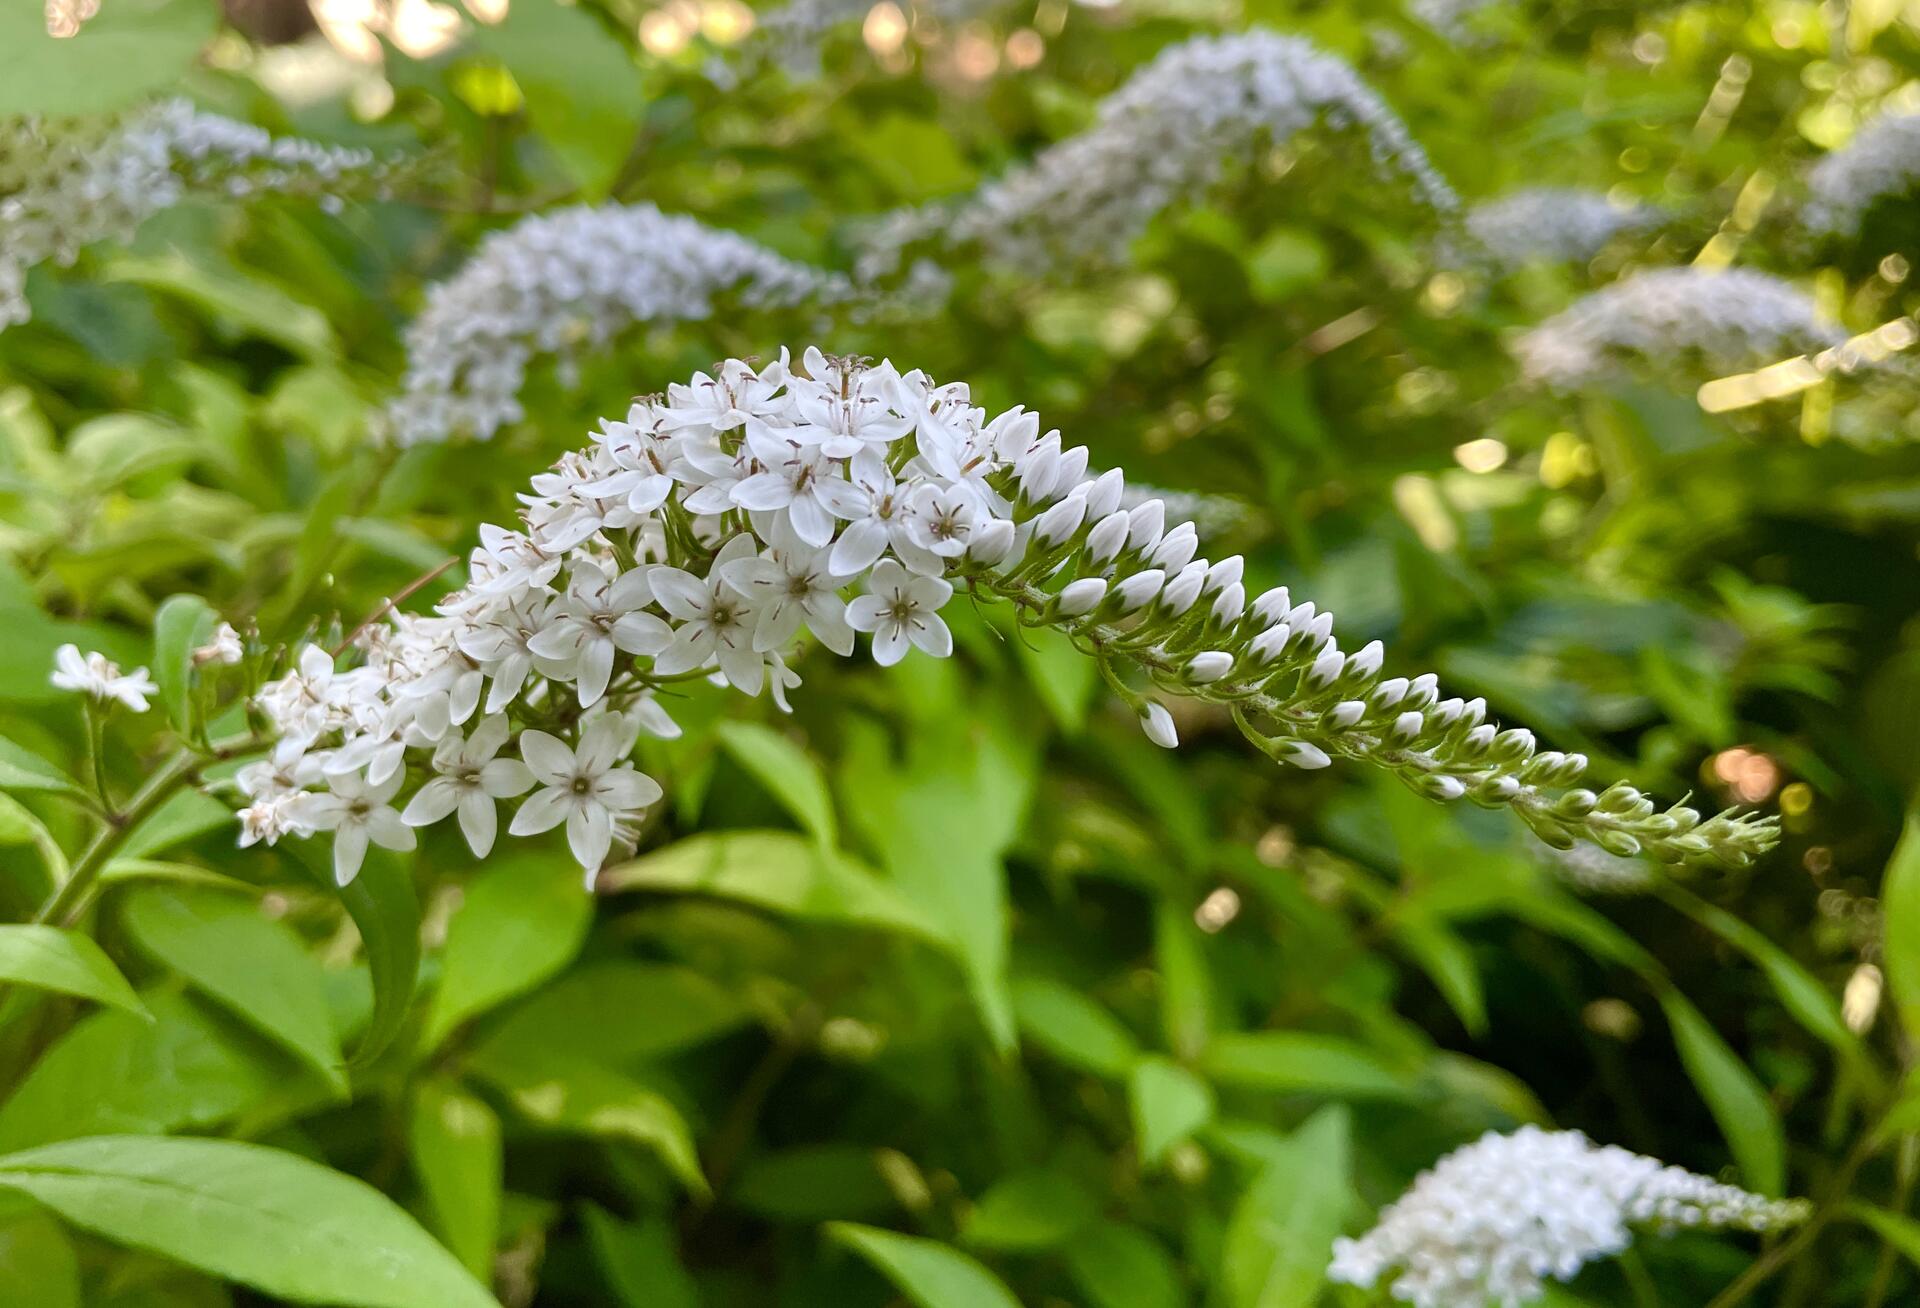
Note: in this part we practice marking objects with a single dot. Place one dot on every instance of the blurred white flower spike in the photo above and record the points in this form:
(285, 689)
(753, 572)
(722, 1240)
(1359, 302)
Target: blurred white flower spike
(1717, 320)
(1881, 162)
(1493, 1221)
(559, 283)
(700, 535)
(1163, 138)
(100, 678)
(1551, 224)
(68, 183)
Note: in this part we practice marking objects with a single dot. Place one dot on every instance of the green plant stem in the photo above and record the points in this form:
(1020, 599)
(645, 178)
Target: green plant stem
(1825, 1211)
(65, 905)
(1889, 1258)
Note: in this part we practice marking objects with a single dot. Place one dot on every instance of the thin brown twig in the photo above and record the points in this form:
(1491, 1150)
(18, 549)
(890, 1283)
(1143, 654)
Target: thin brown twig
(387, 605)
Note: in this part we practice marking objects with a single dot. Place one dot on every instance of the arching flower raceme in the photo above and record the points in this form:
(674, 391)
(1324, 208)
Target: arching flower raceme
(1720, 319)
(594, 603)
(67, 183)
(1494, 1220)
(557, 282)
(1882, 161)
(1551, 224)
(1163, 138)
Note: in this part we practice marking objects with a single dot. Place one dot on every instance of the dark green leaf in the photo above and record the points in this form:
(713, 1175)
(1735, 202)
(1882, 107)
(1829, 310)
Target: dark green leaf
(51, 959)
(930, 1274)
(181, 625)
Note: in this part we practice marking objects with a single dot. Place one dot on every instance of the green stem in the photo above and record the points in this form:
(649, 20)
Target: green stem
(1787, 1250)
(65, 905)
(1889, 1258)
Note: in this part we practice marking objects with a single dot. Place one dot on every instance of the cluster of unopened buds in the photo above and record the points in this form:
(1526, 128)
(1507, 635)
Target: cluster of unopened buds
(702, 534)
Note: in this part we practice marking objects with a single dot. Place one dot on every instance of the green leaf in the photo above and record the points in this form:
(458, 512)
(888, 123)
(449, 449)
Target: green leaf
(1900, 911)
(787, 772)
(188, 814)
(1123, 1267)
(1738, 1103)
(639, 1261)
(930, 1274)
(65, 961)
(582, 87)
(521, 921)
(1281, 1236)
(181, 624)
(454, 1140)
(383, 906)
(1072, 1027)
(256, 968)
(264, 1218)
(1186, 989)
(811, 1183)
(37, 1263)
(1169, 1104)
(590, 1013)
(1303, 1062)
(1061, 675)
(1030, 1210)
(575, 1095)
(128, 50)
(22, 769)
(780, 871)
(186, 1069)
(1900, 1232)
(238, 303)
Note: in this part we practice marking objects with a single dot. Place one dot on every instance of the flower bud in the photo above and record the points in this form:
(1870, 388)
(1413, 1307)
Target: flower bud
(1271, 608)
(1318, 632)
(1228, 605)
(1080, 597)
(1176, 548)
(1158, 724)
(1409, 725)
(1325, 670)
(1183, 590)
(1388, 693)
(1367, 661)
(1139, 590)
(1225, 573)
(1108, 537)
(1103, 497)
(1059, 522)
(1423, 690)
(1438, 785)
(1147, 521)
(1344, 714)
(1270, 644)
(1073, 470)
(1513, 745)
(1039, 469)
(1302, 755)
(1209, 666)
(993, 542)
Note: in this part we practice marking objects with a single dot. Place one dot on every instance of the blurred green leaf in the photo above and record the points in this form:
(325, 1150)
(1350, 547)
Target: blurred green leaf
(1035, 1209)
(181, 625)
(589, 1013)
(930, 1274)
(1738, 1103)
(639, 1261)
(262, 1217)
(812, 1183)
(1281, 1237)
(128, 50)
(1900, 911)
(1072, 1027)
(37, 1263)
(21, 769)
(386, 912)
(1169, 1104)
(787, 772)
(1119, 1266)
(1303, 1062)
(454, 1141)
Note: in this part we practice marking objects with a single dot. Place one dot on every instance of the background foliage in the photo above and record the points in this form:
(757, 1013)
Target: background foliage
(951, 985)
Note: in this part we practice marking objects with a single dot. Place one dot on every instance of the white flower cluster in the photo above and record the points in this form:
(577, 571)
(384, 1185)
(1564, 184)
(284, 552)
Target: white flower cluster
(1163, 137)
(572, 279)
(1492, 1220)
(65, 184)
(701, 535)
(1718, 319)
(1881, 161)
(99, 677)
(1551, 223)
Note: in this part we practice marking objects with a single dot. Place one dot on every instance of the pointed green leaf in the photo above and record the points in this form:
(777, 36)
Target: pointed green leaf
(1282, 1233)
(787, 772)
(930, 1274)
(22, 769)
(256, 968)
(1072, 1027)
(454, 1139)
(520, 921)
(51, 959)
(639, 1261)
(267, 1219)
(1736, 1100)
(1119, 1266)
(1169, 1104)
(1304, 1062)
(1036, 1209)
(1900, 911)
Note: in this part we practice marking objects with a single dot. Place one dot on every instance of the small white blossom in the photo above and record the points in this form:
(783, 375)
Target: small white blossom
(588, 788)
(902, 609)
(717, 620)
(470, 781)
(98, 676)
(357, 812)
(225, 649)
